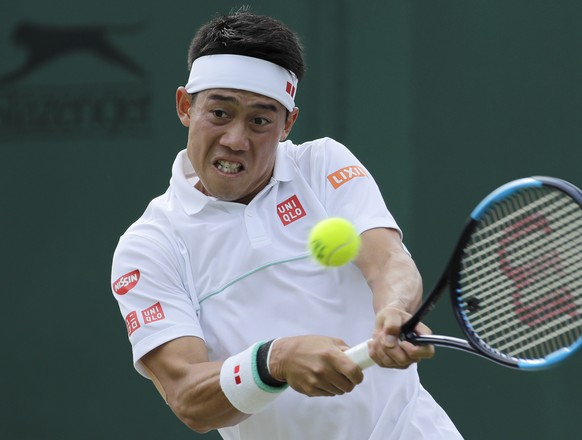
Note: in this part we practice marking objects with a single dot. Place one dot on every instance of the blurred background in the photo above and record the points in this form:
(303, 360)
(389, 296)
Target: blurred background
(442, 101)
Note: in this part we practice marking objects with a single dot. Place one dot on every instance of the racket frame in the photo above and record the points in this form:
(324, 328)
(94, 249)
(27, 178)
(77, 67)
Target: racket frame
(449, 280)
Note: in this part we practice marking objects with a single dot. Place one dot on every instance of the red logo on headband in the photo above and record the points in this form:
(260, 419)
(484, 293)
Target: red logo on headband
(290, 89)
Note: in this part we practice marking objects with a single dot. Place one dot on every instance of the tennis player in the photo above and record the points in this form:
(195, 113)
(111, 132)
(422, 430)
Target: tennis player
(226, 314)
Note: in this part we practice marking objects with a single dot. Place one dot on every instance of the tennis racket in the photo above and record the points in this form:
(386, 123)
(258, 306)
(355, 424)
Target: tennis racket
(514, 278)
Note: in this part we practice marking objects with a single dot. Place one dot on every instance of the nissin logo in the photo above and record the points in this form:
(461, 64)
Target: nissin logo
(126, 282)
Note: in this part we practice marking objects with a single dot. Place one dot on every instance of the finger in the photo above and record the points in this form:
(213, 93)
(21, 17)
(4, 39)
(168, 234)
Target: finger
(386, 341)
(390, 320)
(337, 376)
(340, 343)
(352, 372)
(422, 329)
(392, 360)
(313, 391)
(345, 374)
(333, 385)
(418, 352)
(389, 356)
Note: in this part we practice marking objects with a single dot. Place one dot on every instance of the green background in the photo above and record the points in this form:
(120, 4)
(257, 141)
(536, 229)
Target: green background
(442, 100)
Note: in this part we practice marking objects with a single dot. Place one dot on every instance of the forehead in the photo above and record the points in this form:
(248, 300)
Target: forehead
(242, 98)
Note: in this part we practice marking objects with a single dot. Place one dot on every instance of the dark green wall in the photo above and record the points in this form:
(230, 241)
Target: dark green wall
(497, 95)
(442, 100)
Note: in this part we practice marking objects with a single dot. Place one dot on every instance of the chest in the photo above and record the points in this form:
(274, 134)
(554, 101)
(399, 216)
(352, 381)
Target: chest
(228, 241)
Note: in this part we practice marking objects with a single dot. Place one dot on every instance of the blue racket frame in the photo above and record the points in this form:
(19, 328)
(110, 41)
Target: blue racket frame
(449, 278)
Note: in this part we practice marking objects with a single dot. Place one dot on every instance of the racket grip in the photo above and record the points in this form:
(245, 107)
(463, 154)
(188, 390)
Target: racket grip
(359, 354)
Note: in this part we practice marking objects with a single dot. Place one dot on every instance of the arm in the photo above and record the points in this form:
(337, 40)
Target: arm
(397, 291)
(190, 384)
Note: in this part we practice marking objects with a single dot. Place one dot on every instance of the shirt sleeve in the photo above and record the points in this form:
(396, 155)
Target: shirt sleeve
(149, 282)
(347, 189)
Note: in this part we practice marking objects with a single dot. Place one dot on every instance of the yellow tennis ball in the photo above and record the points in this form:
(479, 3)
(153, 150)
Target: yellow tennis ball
(334, 242)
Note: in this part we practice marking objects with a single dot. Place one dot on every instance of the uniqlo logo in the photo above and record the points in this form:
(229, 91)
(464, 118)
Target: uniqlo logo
(153, 314)
(344, 175)
(132, 322)
(290, 210)
(237, 378)
(126, 282)
(290, 89)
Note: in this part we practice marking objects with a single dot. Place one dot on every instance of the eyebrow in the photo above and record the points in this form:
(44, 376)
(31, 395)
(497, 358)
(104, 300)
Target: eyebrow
(231, 99)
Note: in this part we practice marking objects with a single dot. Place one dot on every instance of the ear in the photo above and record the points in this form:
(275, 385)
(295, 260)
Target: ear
(183, 104)
(289, 124)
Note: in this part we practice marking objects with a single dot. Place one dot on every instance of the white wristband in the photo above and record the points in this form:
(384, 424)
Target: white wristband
(241, 384)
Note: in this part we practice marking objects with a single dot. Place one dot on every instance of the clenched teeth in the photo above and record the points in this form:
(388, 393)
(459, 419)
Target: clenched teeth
(228, 167)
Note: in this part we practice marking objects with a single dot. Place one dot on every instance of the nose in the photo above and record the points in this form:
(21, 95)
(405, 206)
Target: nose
(236, 137)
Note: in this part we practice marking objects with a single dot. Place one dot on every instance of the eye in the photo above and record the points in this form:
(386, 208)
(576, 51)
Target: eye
(260, 121)
(219, 113)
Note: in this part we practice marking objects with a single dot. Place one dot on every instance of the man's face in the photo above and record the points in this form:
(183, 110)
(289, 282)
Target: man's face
(232, 140)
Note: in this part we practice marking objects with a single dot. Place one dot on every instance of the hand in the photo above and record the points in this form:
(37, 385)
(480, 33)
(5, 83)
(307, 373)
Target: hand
(386, 348)
(314, 365)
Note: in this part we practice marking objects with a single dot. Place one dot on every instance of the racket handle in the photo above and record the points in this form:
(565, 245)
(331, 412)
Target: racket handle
(359, 354)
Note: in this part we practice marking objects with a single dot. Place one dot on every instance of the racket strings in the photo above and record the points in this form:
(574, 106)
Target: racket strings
(521, 278)
(490, 233)
(492, 282)
(542, 306)
(483, 257)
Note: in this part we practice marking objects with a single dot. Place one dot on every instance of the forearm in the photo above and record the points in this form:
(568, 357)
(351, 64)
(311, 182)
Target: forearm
(389, 271)
(210, 395)
(191, 385)
(397, 292)
(397, 284)
(198, 400)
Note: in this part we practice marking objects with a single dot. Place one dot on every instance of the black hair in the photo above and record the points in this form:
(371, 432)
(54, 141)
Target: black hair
(244, 33)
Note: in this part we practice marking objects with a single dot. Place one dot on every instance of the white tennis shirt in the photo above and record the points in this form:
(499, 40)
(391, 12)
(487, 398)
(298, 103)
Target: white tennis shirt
(235, 274)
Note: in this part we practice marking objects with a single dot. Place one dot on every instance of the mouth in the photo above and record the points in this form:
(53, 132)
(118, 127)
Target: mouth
(228, 167)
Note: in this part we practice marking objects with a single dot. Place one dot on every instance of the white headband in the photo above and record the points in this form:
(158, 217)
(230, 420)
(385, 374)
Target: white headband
(243, 73)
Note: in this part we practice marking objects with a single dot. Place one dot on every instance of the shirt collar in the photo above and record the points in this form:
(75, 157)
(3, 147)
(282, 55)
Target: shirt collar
(190, 198)
(193, 201)
(284, 165)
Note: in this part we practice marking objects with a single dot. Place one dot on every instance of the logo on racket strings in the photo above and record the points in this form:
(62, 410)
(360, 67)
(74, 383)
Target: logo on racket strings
(528, 274)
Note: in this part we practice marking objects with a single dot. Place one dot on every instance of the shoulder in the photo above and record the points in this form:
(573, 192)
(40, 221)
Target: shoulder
(154, 231)
(316, 146)
(315, 153)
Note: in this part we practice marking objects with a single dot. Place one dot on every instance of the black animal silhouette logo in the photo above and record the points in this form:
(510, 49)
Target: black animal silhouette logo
(45, 43)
